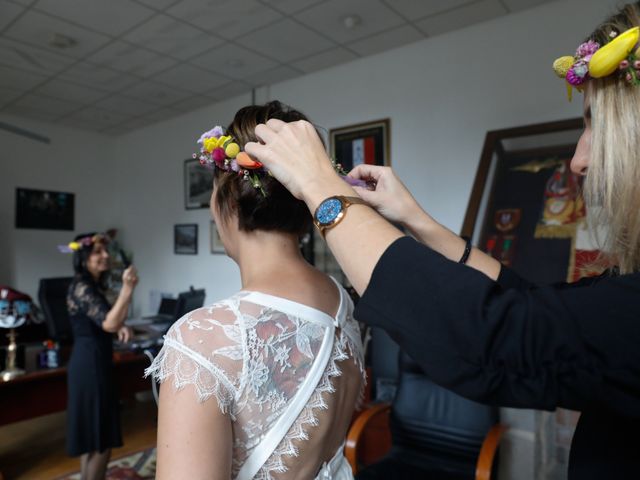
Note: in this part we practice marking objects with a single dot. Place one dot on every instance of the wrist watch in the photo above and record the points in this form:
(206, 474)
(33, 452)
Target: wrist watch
(332, 210)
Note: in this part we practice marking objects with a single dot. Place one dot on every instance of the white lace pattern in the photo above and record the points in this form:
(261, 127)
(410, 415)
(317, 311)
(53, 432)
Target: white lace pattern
(252, 359)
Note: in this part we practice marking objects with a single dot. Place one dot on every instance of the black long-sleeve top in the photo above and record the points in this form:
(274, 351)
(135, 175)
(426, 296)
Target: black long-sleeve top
(513, 344)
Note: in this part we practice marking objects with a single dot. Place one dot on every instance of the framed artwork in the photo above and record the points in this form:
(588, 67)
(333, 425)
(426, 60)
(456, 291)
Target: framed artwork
(216, 241)
(526, 207)
(45, 210)
(185, 239)
(362, 143)
(198, 184)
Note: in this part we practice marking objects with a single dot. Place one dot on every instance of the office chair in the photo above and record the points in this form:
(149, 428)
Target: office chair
(52, 295)
(435, 433)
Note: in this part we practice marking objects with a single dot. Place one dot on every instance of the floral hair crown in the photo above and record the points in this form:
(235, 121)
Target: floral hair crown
(223, 152)
(621, 55)
(87, 241)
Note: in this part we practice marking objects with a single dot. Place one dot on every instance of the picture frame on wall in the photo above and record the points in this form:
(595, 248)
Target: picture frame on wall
(185, 239)
(526, 207)
(217, 246)
(44, 209)
(361, 143)
(198, 184)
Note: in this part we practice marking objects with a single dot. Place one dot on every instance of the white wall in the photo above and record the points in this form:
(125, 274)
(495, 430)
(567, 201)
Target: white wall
(76, 162)
(151, 195)
(442, 95)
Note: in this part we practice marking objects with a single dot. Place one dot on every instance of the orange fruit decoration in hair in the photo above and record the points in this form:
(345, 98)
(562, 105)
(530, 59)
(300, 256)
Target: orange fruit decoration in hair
(246, 161)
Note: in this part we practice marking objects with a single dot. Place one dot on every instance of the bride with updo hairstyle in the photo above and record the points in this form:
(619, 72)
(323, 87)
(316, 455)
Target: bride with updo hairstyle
(261, 384)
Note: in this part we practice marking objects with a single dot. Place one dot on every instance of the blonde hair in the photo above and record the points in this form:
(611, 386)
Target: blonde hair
(613, 176)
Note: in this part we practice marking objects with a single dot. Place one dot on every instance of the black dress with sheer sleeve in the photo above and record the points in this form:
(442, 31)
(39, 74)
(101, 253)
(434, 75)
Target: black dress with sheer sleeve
(93, 420)
(511, 343)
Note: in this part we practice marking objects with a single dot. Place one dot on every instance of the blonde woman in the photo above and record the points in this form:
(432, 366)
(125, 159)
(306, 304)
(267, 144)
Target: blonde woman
(479, 329)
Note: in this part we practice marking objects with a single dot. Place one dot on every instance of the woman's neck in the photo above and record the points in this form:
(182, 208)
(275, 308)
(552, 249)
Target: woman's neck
(261, 255)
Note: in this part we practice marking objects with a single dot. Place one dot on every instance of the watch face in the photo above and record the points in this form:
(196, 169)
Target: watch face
(328, 211)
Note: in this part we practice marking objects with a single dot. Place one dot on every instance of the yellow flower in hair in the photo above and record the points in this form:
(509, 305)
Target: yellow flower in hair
(209, 144)
(232, 150)
(606, 60)
(75, 246)
(223, 139)
(562, 65)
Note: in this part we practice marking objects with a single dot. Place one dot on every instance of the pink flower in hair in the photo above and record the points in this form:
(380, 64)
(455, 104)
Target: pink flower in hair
(577, 74)
(218, 156)
(587, 49)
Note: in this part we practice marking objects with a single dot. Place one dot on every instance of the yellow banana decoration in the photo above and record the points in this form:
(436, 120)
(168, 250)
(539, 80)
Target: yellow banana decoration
(606, 60)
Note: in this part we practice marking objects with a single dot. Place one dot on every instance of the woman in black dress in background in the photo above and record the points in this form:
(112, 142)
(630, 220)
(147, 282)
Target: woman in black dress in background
(93, 420)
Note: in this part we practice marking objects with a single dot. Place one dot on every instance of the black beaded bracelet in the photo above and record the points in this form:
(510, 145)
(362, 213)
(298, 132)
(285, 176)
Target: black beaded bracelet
(467, 251)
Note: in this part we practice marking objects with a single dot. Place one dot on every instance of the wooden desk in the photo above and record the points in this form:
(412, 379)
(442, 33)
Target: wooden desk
(45, 391)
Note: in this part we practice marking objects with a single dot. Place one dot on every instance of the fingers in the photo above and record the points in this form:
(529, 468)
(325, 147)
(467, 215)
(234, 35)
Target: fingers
(258, 151)
(367, 195)
(275, 124)
(266, 133)
(365, 172)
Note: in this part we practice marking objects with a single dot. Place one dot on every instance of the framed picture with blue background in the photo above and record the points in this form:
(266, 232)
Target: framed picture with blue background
(362, 143)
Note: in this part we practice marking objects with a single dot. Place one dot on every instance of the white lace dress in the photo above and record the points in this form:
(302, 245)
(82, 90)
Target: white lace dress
(268, 362)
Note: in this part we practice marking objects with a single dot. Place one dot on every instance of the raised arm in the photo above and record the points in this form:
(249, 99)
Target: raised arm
(294, 154)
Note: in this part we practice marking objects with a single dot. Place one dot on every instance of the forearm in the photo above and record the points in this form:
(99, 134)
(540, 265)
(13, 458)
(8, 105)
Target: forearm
(118, 313)
(360, 239)
(439, 238)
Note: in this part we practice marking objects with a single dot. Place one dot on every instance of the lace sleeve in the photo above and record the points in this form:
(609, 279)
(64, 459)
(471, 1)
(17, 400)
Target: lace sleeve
(85, 299)
(204, 349)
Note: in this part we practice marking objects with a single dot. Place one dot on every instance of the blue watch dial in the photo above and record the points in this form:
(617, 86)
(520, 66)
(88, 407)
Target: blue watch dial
(328, 211)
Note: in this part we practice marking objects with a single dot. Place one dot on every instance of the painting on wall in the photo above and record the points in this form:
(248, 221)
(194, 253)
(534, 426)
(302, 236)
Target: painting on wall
(198, 184)
(534, 219)
(185, 239)
(362, 143)
(44, 209)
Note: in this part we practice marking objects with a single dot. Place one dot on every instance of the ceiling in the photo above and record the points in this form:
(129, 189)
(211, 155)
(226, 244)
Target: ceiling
(116, 65)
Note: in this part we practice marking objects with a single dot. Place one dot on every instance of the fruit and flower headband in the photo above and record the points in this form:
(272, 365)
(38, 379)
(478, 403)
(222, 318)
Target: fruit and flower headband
(83, 242)
(621, 55)
(223, 152)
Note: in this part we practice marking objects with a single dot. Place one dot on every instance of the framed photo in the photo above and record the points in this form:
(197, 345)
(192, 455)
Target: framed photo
(198, 184)
(216, 241)
(185, 239)
(362, 143)
(43, 209)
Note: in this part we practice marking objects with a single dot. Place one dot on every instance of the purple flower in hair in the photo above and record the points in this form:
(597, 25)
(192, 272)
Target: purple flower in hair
(587, 49)
(234, 165)
(577, 74)
(214, 132)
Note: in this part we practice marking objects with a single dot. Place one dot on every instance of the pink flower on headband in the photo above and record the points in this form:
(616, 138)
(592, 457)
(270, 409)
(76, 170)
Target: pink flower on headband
(578, 73)
(587, 49)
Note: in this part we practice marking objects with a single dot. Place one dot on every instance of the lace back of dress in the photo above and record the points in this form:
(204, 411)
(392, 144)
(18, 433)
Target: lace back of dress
(252, 359)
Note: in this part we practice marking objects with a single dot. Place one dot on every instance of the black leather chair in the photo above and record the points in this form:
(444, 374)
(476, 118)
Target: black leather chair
(52, 295)
(435, 433)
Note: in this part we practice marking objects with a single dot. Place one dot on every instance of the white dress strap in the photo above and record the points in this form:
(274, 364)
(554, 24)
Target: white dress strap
(272, 439)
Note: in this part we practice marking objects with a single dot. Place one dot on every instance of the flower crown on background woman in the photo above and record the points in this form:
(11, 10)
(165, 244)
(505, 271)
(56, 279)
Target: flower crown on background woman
(620, 56)
(223, 152)
(83, 242)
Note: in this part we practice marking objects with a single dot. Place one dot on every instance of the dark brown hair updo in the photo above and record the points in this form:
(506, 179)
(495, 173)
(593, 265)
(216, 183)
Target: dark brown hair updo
(278, 210)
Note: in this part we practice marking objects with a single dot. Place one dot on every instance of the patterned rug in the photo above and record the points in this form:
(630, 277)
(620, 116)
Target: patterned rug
(135, 466)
